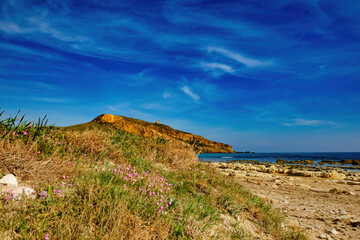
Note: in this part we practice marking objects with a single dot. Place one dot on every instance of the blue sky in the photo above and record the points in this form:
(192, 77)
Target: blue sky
(259, 75)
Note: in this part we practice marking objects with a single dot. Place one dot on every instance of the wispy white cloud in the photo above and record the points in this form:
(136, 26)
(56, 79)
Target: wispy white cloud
(154, 106)
(216, 68)
(39, 25)
(188, 92)
(307, 122)
(181, 12)
(51, 100)
(121, 107)
(11, 28)
(26, 51)
(249, 62)
(168, 95)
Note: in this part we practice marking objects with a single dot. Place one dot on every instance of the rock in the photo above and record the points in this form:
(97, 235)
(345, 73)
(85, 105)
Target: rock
(355, 222)
(351, 193)
(17, 193)
(261, 168)
(303, 186)
(271, 169)
(323, 236)
(335, 191)
(334, 232)
(20, 192)
(9, 180)
(337, 175)
(344, 218)
(343, 212)
(341, 182)
(352, 183)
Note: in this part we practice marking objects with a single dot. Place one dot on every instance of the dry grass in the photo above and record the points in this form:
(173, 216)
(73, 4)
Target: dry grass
(25, 162)
(91, 141)
(94, 142)
(174, 154)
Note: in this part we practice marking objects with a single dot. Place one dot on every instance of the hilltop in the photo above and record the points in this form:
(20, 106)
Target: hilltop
(151, 130)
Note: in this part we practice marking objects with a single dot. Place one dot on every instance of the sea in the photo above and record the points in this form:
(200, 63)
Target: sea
(271, 157)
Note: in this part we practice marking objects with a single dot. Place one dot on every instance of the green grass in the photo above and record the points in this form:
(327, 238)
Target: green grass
(114, 190)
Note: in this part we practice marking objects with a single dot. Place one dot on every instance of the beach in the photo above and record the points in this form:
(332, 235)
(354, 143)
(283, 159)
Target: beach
(323, 203)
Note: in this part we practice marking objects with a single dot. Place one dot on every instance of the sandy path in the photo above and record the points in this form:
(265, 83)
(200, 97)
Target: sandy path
(308, 203)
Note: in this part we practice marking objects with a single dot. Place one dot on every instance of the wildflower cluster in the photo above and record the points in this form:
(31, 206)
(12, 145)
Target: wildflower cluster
(9, 194)
(52, 137)
(154, 187)
(50, 193)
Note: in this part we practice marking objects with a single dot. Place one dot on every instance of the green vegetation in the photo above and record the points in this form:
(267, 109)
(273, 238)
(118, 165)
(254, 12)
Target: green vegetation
(92, 183)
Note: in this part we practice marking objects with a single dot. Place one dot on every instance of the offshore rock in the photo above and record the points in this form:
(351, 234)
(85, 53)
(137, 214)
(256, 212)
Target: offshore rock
(147, 129)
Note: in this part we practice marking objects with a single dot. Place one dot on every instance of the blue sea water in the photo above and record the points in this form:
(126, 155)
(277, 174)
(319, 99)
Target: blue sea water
(273, 156)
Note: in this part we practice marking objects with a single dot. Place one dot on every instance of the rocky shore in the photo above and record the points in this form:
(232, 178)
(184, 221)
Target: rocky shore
(291, 170)
(322, 201)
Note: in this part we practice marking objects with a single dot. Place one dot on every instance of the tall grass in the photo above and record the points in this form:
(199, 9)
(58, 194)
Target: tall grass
(95, 184)
(15, 126)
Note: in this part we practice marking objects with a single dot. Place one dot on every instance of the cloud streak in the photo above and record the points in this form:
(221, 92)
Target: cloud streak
(307, 122)
(248, 62)
(216, 68)
(190, 93)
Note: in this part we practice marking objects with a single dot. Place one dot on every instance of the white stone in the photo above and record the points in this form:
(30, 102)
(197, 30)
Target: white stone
(323, 236)
(18, 192)
(333, 231)
(9, 180)
(303, 186)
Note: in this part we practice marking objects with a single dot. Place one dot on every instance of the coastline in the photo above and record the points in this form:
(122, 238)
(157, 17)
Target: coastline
(290, 170)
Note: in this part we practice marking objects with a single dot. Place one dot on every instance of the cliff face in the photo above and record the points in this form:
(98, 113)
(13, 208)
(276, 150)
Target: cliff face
(148, 129)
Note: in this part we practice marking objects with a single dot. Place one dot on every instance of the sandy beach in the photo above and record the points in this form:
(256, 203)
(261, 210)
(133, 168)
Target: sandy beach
(324, 205)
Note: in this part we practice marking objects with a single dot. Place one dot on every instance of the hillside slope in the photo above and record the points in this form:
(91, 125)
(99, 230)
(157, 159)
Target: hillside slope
(147, 129)
(93, 181)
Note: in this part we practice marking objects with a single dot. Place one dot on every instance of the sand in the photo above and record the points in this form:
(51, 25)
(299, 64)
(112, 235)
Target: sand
(322, 208)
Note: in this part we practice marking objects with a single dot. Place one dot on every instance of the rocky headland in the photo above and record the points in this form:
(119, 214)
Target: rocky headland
(148, 129)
